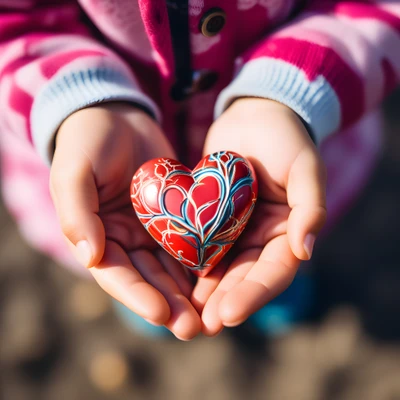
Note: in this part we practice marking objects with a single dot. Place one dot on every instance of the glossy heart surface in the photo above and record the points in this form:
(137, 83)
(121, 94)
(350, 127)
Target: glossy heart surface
(196, 216)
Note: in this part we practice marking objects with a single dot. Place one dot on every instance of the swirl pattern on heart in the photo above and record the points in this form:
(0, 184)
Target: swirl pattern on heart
(196, 216)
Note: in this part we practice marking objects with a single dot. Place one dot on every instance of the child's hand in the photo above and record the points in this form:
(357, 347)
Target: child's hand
(97, 152)
(289, 213)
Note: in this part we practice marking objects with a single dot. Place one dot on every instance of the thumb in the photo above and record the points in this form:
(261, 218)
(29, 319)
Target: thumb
(74, 193)
(307, 200)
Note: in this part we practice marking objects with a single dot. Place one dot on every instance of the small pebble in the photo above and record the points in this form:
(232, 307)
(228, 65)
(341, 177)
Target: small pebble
(87, 302)
(108, 371)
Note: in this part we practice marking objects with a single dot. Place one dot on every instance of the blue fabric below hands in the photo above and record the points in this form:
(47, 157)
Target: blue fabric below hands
(138, 324)
(277, 318)
(281, 315)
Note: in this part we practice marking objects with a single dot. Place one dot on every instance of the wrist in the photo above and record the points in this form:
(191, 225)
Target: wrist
(254, 105)
(109, 114)
(124, 108)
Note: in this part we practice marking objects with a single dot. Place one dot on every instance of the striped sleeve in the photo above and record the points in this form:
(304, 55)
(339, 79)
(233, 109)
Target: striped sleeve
(331, 65)
(50, 67)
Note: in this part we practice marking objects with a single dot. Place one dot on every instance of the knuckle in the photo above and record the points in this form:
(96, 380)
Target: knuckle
(70, 228)
(320, 217)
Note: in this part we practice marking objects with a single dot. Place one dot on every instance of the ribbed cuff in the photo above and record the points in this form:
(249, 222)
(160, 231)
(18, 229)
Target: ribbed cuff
(65, 94)
(314, 101)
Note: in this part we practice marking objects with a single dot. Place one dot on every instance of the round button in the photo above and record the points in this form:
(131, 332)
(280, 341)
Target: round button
(212, 22)
(202, 80)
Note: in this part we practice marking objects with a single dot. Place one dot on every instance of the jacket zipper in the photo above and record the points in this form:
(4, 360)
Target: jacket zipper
(178, 14)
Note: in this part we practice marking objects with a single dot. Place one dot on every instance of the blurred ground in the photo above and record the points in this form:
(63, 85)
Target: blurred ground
(60, 340)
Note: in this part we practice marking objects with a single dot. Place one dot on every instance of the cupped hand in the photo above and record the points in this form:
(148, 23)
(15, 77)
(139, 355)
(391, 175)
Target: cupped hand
(288, 215)
(97, 151)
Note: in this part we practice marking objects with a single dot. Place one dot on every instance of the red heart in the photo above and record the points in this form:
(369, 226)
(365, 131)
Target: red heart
(196, 216)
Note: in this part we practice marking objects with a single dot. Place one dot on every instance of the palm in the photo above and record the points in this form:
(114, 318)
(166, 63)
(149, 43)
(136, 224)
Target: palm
(115, 209)
(129, 264)
(124, 230)
(260, 265)
(263, 262)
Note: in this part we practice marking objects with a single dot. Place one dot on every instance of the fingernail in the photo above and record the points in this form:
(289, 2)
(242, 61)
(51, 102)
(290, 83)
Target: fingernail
(309, 244)
(84, 253)
(151, 322)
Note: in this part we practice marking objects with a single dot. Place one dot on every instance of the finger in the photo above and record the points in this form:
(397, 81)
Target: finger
(307, 199)
(184, 321)
(268, 277)
(75, 198)
(206, 285)
(181, 276)
(116, 275)
(212, 322)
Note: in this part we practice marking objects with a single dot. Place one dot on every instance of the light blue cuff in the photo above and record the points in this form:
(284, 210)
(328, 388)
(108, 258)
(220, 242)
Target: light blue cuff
(70, 92)
(315, 101)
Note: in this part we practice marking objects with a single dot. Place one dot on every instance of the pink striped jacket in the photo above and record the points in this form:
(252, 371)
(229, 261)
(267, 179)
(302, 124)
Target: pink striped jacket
(331, 61)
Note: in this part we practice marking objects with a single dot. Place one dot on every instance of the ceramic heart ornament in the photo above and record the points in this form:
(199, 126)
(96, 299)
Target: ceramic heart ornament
(196, 216)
